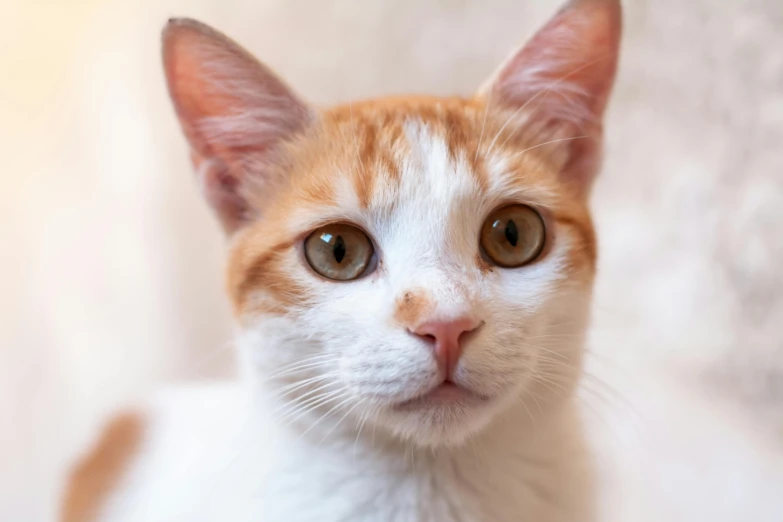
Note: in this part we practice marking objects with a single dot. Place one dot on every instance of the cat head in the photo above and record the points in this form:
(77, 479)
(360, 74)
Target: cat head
(418, 263)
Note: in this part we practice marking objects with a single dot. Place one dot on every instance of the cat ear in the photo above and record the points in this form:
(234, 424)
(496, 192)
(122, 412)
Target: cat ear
(564, 76)
(234, 112)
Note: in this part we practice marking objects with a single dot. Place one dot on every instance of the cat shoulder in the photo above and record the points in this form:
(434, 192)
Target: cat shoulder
(140, 449)
(99, 473)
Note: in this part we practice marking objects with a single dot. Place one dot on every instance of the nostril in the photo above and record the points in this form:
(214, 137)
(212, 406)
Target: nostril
(430, 338)
(449, 332)
(468, 333)
(445, 338)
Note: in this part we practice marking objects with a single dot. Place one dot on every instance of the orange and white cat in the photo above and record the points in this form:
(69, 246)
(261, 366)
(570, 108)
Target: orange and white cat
(392, 266)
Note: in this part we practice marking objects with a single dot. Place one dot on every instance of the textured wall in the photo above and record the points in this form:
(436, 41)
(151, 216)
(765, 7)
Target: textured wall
(111, 267)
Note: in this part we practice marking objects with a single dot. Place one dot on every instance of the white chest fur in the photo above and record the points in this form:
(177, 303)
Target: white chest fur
(209, 457)
(674, 459)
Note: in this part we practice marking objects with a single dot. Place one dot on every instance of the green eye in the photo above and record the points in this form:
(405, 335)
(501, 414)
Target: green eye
(513, 236)
(339, 252)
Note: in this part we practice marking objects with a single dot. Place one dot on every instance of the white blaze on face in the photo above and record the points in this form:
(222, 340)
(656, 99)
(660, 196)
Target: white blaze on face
(428, 244)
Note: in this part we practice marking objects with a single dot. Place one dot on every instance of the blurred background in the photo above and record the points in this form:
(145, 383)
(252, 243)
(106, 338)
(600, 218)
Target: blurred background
(111, 267)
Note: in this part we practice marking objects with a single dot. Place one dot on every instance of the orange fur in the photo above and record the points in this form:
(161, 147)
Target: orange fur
(274, 169)
(412, 307)
(100, 472)
(359, 142)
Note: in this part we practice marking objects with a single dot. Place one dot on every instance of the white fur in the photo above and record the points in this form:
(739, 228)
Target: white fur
(208, 458)
(429, 242)
(317, 434)
(224, 453)
(663, 454)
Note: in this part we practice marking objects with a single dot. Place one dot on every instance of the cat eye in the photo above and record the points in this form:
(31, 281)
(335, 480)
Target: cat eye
(338, 251)
(513, 235)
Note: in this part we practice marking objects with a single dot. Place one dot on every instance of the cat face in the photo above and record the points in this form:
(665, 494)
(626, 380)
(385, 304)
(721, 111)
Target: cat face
(420, 264)
(420, 185)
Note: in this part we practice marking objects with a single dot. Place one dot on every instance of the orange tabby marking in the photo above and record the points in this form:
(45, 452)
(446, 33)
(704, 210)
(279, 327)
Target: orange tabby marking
(412, 307)
(97, 475)
(366, 143)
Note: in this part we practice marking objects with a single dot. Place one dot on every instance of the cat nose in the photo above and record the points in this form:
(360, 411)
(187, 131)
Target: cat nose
(446, 335)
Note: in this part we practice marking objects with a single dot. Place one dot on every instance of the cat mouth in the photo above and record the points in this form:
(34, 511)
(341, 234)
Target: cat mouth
(447, 393)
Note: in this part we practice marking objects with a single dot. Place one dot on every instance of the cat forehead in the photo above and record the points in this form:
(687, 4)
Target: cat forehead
(418, 177)
(381, 160)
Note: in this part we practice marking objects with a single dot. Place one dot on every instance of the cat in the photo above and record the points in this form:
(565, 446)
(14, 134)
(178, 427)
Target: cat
(411, 278)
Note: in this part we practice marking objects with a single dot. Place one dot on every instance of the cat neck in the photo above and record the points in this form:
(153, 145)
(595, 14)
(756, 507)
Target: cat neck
(516, 465)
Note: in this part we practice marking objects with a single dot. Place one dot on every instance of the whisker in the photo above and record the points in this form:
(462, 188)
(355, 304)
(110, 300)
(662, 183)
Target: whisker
(546, 350)
(294, 369)
(289, 388)
(547, 382)
(548, 89)
(303, 399)
(362, 421)
(304, 360)
(327, 414)
(524, 405)
(300, 410)
(355, 141)
(534, 396)
(542, 144)
(334, 427)
(483, 125)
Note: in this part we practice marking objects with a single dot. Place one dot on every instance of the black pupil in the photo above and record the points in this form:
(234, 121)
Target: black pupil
(512, 235)
(339, 249)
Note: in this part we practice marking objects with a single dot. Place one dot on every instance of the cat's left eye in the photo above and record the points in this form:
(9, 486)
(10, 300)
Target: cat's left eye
(513, 236)
(340, 252)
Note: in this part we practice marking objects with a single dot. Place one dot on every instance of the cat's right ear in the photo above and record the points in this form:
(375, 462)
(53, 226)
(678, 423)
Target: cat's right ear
(234, 112)
(563, 75)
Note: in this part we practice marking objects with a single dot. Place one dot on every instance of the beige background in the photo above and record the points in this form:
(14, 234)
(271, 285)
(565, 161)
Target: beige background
(110, 267)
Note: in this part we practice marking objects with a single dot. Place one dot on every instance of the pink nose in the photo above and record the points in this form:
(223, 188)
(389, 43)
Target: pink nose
(446, 336)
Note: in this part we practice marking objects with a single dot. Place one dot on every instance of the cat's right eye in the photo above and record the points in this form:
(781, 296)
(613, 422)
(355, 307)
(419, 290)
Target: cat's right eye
(339, 252)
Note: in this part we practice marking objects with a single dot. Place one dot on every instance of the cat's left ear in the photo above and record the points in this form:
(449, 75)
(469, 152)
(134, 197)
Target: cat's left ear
(236, 114)
(564, 76)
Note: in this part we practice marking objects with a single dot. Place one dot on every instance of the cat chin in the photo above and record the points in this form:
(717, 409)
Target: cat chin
(436, 422)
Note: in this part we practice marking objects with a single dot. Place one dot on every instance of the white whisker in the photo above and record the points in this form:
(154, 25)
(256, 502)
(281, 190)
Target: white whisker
(546, 143)
(290, 388)
(325, 415)
(537, 96)
(483, 125)
(300, 410)
(334, 427)
(304, 366)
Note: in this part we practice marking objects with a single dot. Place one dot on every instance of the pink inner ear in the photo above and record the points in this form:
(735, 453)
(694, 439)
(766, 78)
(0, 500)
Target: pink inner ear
(234, 111)
(569, 65)
(564, 76)
(196, 62)
(222, 191)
